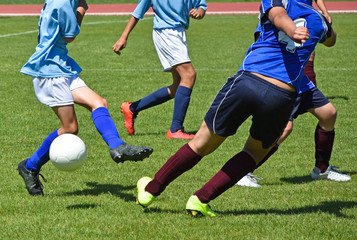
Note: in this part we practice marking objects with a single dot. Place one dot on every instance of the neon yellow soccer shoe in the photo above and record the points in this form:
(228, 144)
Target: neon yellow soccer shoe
(196, 208)
(144, 198)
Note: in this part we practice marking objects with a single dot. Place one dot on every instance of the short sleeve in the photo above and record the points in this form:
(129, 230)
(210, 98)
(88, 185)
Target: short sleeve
(69, 26)
(201, 4)
(142, 7)
(266, 5)
(328, 30)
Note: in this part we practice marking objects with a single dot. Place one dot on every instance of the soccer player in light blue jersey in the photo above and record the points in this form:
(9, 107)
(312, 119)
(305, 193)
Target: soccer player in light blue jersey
(57, 84)
(171, 20)
(264, 88)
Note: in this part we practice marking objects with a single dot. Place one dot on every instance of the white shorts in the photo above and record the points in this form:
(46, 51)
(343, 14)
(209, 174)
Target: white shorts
(56, 92)
(171, 47)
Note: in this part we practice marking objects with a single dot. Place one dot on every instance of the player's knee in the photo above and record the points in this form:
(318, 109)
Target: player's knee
(71, 128)
(172, 90)
(99, 102)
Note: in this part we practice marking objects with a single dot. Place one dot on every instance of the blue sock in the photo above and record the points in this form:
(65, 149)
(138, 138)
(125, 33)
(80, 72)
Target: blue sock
(106, 127)
(182, 99)
(160, 96)
(41, 156)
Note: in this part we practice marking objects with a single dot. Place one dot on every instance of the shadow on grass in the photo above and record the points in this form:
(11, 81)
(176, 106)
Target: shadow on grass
(330, 207)
(83, 206)
(307, 178)
(338, 97)
(160, 133)
(96, 189)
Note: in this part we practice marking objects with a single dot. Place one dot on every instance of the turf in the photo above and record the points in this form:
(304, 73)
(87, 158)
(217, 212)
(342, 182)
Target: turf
(98, 201)
(119, 1)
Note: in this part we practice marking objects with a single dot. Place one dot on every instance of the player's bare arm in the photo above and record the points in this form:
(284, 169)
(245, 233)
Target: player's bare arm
(121, 43)
(321, 5)
(279, 17)
(197, 13)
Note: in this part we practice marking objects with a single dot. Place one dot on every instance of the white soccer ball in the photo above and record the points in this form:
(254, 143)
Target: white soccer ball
(68, 152)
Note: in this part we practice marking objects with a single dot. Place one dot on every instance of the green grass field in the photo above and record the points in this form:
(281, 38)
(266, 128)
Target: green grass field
(119, 1)
(98, 201)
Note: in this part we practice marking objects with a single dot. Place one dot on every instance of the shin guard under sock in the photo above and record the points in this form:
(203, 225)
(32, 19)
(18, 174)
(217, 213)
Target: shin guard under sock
(236, 168)
(183, 160)
(182, 100)
(310, 72)
(323, 147)
(158, 97)
(41, 156)
(106, 127)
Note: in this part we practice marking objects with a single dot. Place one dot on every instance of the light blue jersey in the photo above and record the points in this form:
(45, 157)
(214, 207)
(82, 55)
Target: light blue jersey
(58, 20)
(275, 55)
(169, 13)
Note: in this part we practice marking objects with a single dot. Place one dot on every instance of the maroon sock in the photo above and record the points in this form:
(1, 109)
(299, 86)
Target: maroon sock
(309, 71)
(323, 147)
(236, 168)
(271, 152)
(183, 160)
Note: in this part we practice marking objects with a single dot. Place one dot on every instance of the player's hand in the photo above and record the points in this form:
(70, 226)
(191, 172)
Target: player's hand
(196, 13)
(301, 35)
(83, 4)
(119, 45)
(328, 17)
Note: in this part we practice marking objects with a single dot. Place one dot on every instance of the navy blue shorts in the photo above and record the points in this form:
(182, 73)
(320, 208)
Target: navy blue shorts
(312, 98)
(246, 95)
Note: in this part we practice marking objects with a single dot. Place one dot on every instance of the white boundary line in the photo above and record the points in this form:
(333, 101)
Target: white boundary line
(151, 13)
(85, 23)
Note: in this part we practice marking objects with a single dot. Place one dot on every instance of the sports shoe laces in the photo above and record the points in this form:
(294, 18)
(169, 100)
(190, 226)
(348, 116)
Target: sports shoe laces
(333, 169)
(254, 177)
(37, 179)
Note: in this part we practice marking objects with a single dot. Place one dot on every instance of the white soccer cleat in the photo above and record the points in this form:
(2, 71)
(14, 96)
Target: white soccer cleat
(331, 174)
(249, 180)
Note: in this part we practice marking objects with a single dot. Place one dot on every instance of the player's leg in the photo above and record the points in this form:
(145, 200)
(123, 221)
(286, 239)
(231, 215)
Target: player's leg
(324, 139)
(187, 75)
(265, 130)
(119, 150)
(132, 109)
(309, 69)
(204, 142)
(69, 124)
(236, 168)
(250, 180)
(55, 93)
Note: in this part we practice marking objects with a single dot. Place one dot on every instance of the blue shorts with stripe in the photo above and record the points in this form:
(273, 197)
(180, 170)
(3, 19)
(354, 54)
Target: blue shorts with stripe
(312, 98)
(245, 95)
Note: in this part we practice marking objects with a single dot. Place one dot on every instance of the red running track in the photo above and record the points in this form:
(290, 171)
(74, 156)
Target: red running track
(127, 9)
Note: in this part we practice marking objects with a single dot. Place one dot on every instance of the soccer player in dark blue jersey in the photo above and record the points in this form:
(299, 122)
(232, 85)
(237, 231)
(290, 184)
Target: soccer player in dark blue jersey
(315, 102)
(265, 87)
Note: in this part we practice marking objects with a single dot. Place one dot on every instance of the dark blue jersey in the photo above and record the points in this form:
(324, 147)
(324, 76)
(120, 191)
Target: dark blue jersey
(275, 55)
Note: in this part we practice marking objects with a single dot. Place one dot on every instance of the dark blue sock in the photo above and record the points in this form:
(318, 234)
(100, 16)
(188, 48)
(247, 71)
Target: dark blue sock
(182, 100)
(106, 127)
(41, 156)
(160, 96)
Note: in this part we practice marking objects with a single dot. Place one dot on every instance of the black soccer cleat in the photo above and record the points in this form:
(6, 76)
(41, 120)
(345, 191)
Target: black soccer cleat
(31, 178)
(128, 152)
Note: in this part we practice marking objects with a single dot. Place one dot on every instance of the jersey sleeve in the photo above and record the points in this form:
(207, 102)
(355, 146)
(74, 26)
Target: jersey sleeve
(328, 30)
(68, 21)
(142, 7)
(266, 5)
(200, 4)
